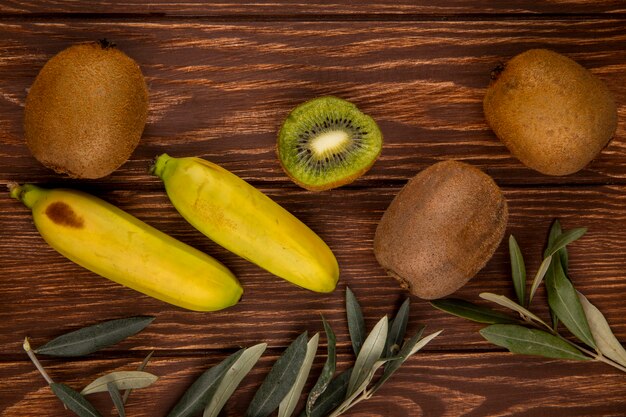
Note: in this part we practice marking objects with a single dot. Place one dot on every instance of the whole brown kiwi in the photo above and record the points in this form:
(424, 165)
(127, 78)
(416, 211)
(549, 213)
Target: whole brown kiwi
(553, 115)
(441, 229)
(86, 110)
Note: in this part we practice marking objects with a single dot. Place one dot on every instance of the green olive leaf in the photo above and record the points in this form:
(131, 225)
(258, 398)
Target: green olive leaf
(117, 399)
(393, 365)
(288, 404)
(541, 273)
(508, 303)
(564, 302)
(471, 311)
(93, 338)
(519, 339)
(555, 232)
(197, 395)
(327, 372)
(122, 380)
(518, 269)
(359, 393)
(280, 379)
(397, 329)
(356, 323)
(370, 353)
(332, 397)
(74, 401)
(565, 239)
(607, 343)
(141, 367)
(219, 395)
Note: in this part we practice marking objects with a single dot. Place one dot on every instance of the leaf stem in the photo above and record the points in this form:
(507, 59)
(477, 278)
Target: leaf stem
(595, 356)
(36, 362)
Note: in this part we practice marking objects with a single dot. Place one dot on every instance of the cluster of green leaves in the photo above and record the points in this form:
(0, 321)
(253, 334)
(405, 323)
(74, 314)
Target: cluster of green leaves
(527, 333)
(89, 340)
(384, 347)
(331, 395)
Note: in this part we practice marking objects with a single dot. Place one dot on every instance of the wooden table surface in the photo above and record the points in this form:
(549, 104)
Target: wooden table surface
(222, 77)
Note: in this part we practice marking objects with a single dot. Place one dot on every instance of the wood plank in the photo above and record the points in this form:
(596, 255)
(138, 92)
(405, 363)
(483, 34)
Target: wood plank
(46, 295)
(434, 385)
(221, 90)
(312, 9)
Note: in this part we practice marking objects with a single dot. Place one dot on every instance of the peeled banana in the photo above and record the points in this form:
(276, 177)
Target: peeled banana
(245, 221)
(118, 246)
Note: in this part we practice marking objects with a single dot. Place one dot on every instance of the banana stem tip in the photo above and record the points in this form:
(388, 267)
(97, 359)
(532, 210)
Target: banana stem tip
(15, 190)
(158, 165)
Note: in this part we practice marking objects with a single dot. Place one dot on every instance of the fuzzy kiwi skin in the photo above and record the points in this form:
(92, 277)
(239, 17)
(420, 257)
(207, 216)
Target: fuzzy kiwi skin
(86, 110)
(441, 229)
(554, 115)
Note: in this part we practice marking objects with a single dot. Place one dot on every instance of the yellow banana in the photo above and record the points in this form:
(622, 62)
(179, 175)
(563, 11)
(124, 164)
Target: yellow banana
(118, 246)
(245, 221)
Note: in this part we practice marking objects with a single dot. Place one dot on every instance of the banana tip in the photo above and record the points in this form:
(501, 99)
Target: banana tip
(15, 190)
(158, 165)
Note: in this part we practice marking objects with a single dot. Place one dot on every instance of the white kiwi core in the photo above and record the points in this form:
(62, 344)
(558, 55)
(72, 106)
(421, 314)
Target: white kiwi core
(329, 142)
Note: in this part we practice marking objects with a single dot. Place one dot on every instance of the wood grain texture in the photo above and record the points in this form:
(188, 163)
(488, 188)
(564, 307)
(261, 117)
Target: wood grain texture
(222, 90)
(476, 385)
(326, 8)
(222, 77)
(37, 282)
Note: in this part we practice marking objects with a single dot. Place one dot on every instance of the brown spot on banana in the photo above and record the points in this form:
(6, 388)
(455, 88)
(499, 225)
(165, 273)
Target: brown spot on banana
(61, 213)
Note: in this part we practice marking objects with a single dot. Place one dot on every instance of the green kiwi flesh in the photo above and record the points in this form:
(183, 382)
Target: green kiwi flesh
(327, 142)
(86, 110)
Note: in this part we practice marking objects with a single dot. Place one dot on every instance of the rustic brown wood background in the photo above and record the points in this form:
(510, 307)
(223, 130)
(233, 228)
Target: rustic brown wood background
(222, 77)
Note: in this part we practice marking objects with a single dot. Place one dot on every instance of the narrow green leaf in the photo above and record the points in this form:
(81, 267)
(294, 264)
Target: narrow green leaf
(423, 342)
(508, 303)
(564, 259)
(141, 367)
(549, 280)
(518, 270)
(565, 239)
(219, 394)
(196, 396)
(116, 397)
(370, 353)
(327, 372)
(606, 342)
(519, 339)
(280, 379)
(397, 330)
(74, 401)
(356, 323)
(93, 338)
(392, 366)
(471, 311)
(122, 380)
(288, 404)
(332, 397)
(564, 302)
(555, 232)
(359, 389)
(541, 273)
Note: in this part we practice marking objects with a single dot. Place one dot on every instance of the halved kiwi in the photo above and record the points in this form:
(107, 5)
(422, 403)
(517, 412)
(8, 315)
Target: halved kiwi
(328, 142)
